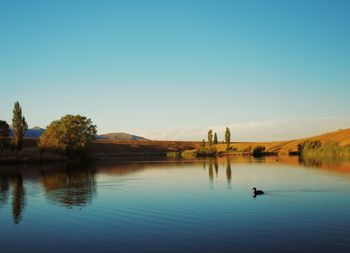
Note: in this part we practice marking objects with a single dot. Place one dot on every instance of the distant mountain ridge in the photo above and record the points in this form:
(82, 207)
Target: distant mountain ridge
(36, 132)
(120, 137)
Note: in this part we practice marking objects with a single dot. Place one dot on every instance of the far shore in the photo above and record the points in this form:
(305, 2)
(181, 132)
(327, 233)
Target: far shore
(116, 149)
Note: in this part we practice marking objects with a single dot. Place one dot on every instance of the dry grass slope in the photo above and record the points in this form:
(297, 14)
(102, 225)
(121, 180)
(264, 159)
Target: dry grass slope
(342, 137)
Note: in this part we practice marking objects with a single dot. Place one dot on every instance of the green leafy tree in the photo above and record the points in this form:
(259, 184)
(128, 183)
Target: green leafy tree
(19, 125)
(4, 135)
(71, 135)
(215, 139)
(227, 137)
(210, 137)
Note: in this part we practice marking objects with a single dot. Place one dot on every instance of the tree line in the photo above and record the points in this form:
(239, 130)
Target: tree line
(214, 141)
(71, 135)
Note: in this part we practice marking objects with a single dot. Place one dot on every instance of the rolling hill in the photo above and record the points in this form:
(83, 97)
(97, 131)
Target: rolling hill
(34, 132)
(342, 137)
(120, 137)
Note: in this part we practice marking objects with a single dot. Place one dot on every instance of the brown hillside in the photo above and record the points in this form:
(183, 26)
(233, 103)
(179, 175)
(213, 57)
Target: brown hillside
(132, 147)
(342, 137)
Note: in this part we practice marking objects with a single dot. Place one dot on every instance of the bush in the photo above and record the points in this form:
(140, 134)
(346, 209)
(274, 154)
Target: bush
(309, 144)
(258, 151)
(328, 151)
(4, 135)
(206, 151)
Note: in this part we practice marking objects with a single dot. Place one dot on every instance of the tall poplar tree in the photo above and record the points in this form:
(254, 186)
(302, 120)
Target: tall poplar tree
(210, 137)
(19, 125)
(215, 139)
(228, 137)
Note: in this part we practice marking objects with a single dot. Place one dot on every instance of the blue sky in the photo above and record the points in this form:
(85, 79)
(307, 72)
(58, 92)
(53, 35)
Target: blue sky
(158, 68)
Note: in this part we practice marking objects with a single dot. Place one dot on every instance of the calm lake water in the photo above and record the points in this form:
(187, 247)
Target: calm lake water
(176, 206)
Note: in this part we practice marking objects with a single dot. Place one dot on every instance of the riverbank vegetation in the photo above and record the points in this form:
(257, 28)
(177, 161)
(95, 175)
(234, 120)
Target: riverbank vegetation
(330, 150)
(19, 128)
(72, 135)
(210, 149)
(69, 137)
(75, 136)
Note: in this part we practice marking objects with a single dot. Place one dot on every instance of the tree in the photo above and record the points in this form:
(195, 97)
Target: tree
(258, 151)
(4, 135)
(228, 137)
(71, 135)
(210, 137)
(203, 143)
(215, 139)
(19, 125)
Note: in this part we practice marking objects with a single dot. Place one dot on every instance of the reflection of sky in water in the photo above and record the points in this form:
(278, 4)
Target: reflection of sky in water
(170, 206)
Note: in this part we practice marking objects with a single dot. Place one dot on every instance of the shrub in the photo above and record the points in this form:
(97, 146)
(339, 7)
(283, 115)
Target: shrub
(258, 151)
(309, 144)
(206, 151)
(328, 151)
(4, 135)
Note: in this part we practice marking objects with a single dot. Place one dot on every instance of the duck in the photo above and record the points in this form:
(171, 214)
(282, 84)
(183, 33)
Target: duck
(257, 192)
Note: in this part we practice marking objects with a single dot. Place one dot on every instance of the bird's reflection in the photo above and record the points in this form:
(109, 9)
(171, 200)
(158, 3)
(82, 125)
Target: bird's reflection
(72, 186)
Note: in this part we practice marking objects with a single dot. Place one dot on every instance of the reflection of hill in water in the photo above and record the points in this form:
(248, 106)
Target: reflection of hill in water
(335, 166)
(123, 168)
(71, 186)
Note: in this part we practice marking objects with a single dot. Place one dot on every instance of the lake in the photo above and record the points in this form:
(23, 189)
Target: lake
(176, 205)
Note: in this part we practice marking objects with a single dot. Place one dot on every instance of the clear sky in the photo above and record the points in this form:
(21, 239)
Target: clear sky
(172, 69)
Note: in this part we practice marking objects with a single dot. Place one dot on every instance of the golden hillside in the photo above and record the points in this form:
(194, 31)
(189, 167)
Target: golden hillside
(342, 137)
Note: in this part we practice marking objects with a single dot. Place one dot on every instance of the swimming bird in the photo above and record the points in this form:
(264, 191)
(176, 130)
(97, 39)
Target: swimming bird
(257, 192)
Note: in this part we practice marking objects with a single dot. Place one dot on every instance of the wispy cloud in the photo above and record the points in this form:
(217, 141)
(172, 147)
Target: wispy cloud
(270, 130)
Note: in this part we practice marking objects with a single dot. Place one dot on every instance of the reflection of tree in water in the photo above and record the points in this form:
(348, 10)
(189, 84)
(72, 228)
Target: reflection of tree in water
(211, 172)
(310, 162)
(15, 180)
(228, 171)
(18, 199)
(4, 189)
(71, 186)
(216, 166)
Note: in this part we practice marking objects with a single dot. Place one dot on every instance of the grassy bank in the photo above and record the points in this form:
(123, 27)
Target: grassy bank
(328, 151)
(101, 150)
